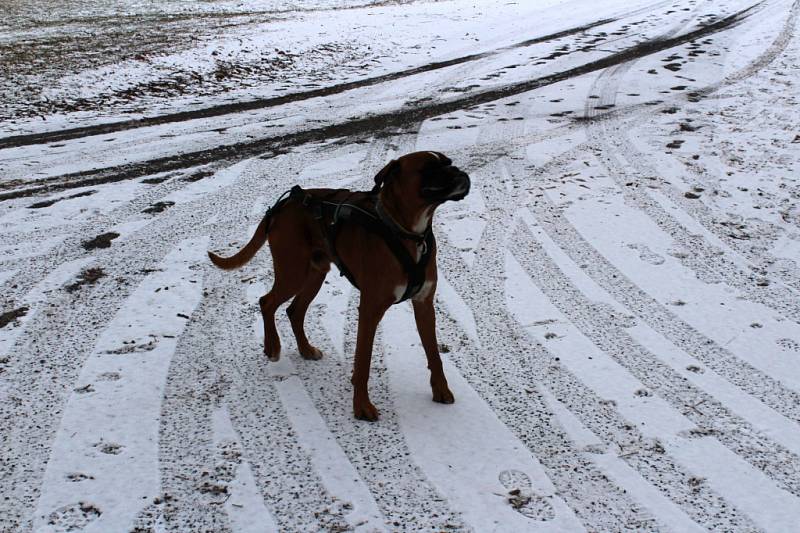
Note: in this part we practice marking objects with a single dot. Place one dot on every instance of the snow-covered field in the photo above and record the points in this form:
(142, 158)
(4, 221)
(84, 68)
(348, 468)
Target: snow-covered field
(618, 306)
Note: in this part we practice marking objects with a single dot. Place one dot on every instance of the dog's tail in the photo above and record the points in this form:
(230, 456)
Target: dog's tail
(245, 254)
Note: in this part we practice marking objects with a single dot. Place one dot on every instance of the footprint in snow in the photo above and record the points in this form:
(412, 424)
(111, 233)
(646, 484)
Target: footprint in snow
(616, 318)
(109, 448)
(646, 254)
(522, 497)
(75, 477)
(789, 344)
(73, 517)
(679, 253)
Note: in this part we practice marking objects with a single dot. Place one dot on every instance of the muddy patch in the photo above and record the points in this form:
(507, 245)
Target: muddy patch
(48, 203)
(87, 277)
(197, 176)
(158, 207)
(101, 241)
(10, 316)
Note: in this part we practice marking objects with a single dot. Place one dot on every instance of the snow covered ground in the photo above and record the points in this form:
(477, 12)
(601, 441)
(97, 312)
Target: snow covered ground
(618, 307)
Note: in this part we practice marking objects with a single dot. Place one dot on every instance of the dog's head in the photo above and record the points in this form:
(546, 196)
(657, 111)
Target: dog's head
(431, 177)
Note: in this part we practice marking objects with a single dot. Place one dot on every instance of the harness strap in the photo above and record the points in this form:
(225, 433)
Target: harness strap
(329, 230)
(395, 226)
(332, 214)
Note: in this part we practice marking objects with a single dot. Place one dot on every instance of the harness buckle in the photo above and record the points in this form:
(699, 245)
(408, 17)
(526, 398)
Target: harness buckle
(307, 201)
(342, 212)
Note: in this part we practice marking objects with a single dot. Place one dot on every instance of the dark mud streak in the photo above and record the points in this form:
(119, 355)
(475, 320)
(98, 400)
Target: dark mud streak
(357, 128)
(10, 316)
(48, 203)
(264, 103)
(364, 127)
(101, 241)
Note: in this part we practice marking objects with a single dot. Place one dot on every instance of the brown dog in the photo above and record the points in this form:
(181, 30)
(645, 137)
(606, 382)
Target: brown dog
(406, 194)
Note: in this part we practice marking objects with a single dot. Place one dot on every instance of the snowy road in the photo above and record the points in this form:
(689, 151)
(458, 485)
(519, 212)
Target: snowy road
(619, 299)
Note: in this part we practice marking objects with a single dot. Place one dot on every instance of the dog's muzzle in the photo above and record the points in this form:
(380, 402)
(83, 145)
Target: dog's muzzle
(461, 188)
(453, 186)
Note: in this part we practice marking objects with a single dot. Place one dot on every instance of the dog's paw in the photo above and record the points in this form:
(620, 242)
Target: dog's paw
(273, 355)
(443, 395)
(365, 411)
(311, 353)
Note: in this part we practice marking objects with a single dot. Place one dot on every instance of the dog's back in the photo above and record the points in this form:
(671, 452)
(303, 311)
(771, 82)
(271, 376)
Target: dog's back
(292, 215)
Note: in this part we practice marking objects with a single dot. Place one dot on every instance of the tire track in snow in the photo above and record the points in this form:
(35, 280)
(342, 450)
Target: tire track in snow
(286, 483)
(740, 373)
(335, 469)
(476, 460)
(34, 301)
(127, 219)
(47, 358)
(785, 35)
(708, 262)
(377, 450)
(51, 351)
(514, 396)
(609, 335)
(264, 103)
(193, 480)
(625, 163)
(756, 248)
(219, 367)
(659, 468)
(104, 454)
(511, 388)
(608, 84)
(756, 257)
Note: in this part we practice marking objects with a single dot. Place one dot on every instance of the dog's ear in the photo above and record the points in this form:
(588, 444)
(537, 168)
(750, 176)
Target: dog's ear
(443, 158)
(386, 173)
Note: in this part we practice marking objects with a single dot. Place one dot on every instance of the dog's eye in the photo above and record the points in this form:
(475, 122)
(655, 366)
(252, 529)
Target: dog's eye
(430, 172)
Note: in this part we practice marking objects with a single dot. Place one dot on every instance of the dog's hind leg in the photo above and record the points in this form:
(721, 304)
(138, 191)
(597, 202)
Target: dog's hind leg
(269, 303)
(288, 282)
(291, 258)
(297, 311)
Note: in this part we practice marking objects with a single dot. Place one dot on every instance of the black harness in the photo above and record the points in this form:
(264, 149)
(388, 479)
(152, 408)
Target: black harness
(332, 214)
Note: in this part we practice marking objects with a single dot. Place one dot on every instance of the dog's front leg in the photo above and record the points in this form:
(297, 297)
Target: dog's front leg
(369, 316)
(425, 316)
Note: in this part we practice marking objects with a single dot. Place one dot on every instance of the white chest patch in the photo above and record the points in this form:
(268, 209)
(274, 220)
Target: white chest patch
(424, 292)
(422, 223)
(399, 290)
